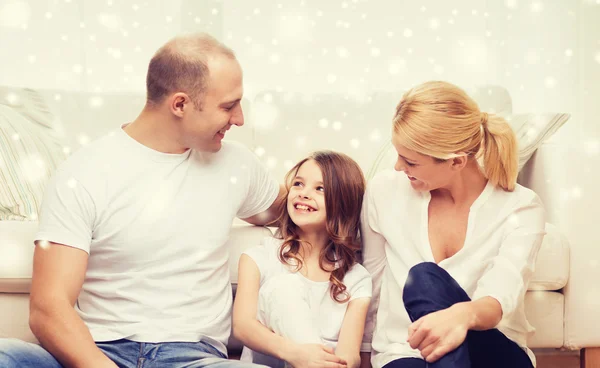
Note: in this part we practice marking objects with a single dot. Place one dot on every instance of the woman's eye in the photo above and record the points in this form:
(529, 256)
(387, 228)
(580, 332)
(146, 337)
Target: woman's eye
(410, 164)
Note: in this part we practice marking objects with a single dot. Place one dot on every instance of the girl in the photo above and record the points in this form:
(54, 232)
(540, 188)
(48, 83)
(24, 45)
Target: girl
(301, 297)
(451, 244)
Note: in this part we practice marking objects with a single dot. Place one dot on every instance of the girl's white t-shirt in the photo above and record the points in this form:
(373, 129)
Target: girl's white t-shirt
(327, 314)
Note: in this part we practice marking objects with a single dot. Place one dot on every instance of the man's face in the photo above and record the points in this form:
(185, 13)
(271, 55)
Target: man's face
(204, 129)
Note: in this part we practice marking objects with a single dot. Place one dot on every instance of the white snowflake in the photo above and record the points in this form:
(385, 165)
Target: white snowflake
(72, 183)
(288, 164)
(568, 52)
(537, 6)
(375, 135)
(337, 125)
(375, 52)
(511, 4)
(592, 147)
(354, 143)
(44, 244)
(301, 141)
(597, 57)
(434, 23)
(550, 82)
(233, 180)
(331, 78)
(323, 123)
(14, 14)
(96, 101)
(110, 21)
(274, 58)
(271, 162)
(342, 52)
(408, 33)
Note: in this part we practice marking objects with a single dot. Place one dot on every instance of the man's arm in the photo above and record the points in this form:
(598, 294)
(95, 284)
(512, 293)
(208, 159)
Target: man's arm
(270, 215)
(58, 274)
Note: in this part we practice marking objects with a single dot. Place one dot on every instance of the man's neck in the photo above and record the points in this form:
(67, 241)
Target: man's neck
(156, 131)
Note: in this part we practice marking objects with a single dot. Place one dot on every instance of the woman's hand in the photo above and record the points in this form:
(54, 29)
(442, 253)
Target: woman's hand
(439, 333)
(314, 356)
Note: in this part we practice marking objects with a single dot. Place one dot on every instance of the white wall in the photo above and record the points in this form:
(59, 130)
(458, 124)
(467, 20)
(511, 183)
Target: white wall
(545, 52)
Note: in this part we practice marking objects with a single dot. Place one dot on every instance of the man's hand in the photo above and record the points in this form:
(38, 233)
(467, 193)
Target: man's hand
(314, 356)
(439, 333)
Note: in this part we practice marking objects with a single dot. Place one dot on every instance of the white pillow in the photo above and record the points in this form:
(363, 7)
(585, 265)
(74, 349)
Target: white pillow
(29, 103)
(531, 131)
(29, 154)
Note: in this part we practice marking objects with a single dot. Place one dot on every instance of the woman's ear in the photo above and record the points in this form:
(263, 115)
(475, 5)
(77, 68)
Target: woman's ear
(460, 161)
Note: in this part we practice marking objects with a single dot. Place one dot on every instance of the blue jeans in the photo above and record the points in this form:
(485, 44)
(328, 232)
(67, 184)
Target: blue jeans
(126, 354)
(429, 288)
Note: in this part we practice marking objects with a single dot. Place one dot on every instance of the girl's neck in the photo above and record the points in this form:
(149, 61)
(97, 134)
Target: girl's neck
(312, 243)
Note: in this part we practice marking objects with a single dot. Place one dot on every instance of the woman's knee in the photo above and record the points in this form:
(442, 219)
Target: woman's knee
(423, 277)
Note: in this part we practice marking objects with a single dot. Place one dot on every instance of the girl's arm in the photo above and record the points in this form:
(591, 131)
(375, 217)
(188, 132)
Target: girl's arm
(258, 337)
(348, 347)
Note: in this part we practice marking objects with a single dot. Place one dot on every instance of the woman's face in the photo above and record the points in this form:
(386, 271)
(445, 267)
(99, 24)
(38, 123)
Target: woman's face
(424, 172)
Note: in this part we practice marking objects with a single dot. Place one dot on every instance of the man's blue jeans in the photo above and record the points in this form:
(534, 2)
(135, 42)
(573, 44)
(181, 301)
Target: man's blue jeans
(126, 354)
(429, 288)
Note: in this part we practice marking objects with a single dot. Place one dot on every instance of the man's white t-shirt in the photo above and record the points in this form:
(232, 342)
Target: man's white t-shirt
(504, 234)
(155, 226)
(325, 313)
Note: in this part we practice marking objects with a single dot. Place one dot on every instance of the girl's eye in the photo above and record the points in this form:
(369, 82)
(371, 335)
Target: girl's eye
(297, 183)
(320, 189)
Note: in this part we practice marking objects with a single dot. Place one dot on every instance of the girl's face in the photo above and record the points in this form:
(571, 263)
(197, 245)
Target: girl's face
(306, 199)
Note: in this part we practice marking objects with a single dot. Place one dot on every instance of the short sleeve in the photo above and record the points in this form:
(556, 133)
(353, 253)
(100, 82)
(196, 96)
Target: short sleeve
(362, 285)
(262, 189)
(68, 213)
(264, 256)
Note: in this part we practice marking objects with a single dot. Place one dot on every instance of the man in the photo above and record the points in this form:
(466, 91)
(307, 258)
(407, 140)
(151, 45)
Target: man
(133, 227)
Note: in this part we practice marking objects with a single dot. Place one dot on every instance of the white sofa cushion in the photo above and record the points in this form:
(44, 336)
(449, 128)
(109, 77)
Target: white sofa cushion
(552, 266)
(545, 312)
(16, 247)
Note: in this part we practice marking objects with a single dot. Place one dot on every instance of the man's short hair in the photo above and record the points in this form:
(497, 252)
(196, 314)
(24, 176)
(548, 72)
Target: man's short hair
(181, 65)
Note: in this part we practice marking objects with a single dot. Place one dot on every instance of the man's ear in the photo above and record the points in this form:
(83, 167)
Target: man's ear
(178, 103)
(459, 162)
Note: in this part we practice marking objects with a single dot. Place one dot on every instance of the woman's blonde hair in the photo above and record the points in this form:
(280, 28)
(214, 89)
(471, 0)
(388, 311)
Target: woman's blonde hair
(440, 120)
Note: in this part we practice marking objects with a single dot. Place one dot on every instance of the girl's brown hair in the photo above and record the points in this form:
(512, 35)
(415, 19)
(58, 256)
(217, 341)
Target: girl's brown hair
(344, 185)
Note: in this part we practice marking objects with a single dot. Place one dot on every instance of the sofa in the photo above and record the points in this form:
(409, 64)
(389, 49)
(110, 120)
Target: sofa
(557, 303)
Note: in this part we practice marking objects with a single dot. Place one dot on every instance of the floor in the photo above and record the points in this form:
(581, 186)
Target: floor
(557, 359)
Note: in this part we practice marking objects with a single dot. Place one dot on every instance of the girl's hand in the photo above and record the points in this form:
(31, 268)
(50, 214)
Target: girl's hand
(314, 356)
(439, 333)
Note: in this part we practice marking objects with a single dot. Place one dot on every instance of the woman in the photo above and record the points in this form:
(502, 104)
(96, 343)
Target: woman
(450, 239)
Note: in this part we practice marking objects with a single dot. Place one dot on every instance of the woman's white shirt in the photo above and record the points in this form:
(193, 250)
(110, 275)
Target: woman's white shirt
(504, 234)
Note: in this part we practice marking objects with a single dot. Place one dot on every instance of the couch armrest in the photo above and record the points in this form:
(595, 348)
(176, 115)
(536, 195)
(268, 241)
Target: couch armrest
(558, 173)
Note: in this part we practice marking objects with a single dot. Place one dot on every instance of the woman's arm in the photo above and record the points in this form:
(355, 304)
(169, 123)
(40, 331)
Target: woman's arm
(349, 343)
(257, 337)
(498, 291)
(374, 259)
